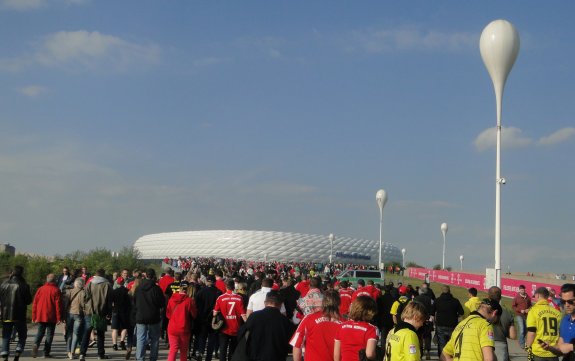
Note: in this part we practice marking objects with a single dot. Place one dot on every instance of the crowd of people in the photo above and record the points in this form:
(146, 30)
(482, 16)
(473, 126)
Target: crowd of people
(263, 311)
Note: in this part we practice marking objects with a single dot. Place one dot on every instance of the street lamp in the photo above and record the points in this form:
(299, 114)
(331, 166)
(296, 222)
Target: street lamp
(331, 238)
(403, 257)
(444, 232)
(381, 198)
(499, 46)
(461, 261)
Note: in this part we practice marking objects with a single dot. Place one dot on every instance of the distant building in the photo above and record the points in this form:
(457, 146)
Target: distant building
(7, 248)
(264, 245)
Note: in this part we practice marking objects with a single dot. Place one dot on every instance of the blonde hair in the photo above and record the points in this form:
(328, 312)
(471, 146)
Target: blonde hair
(414, 311)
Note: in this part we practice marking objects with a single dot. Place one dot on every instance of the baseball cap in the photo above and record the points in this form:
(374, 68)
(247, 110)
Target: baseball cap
(120, 280)
(493, 304)
(402, 290)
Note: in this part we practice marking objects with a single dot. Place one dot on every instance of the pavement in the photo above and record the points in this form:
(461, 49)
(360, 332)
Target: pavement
(59, 349)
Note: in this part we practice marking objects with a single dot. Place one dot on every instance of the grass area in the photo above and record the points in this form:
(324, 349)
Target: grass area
(458, 292)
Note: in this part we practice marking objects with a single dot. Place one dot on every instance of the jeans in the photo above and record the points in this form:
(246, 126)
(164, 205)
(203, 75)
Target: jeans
(443, 335)
(86, 337)
(21, 329)
(145, 332)
(74, 333)
(521, 330)
(226, 340)
(47, 328)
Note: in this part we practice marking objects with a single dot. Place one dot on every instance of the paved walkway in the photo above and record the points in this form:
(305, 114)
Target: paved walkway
(59, 349)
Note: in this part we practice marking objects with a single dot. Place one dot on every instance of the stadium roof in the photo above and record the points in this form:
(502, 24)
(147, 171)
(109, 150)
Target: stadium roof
(264, 245)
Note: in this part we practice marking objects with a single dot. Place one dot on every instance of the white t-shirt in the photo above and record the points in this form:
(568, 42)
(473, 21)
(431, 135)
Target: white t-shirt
(257, 300)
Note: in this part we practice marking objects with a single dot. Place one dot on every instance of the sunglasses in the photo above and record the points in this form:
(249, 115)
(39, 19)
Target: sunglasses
(570, 302)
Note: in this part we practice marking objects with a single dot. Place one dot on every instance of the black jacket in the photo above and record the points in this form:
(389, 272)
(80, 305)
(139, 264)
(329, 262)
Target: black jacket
(15, 296)
(148, 301)
(447, 309)
(270, 332)
(121, 302)
(205, 301)
(290, 296)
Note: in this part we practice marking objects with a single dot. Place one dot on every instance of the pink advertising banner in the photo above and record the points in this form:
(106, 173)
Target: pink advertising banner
(509, 288)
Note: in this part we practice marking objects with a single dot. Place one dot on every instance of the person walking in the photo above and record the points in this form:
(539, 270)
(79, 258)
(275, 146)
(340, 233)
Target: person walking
(74, 305)
(47, 311)
(448, 309)
(503, 327)
(402, 343)
(357, 333)
(206, 301)
(231, 307)
(97, 309)
(472, 338)
(567, 327)
(317, 331)
(269, 331)
(521, 305)
(149, 301)
(542, 327)
(473, 302)
(181, 310)
(15, 296)
(121, 305)
(426, 330)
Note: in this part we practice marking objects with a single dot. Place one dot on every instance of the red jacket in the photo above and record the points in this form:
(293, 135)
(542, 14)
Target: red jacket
(47, 305)
(181, 310)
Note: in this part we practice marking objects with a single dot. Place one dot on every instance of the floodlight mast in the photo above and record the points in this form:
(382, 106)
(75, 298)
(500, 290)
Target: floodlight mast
(499, 47)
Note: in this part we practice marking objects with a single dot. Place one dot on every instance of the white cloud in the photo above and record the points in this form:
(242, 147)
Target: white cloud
(27, 5)
(511, 137)
(91, 50)
(208, 61)
(425, 204)
(379, 41)
(559, 136)
(32, 90)
(23, 5)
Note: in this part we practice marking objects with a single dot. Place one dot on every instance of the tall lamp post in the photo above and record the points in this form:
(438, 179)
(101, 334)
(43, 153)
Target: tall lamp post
(331, 238)
(461, 261)
(499, 47)
(403, 257)
(381, 198)
(444, 232)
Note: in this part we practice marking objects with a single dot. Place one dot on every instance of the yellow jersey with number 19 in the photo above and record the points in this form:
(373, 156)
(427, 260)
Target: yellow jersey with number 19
(402, 344)
(544, 320)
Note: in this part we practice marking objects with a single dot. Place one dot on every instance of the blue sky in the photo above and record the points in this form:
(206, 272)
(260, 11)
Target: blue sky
(120, 119)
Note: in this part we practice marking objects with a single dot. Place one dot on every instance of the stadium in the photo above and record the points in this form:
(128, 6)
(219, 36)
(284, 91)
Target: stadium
(264, 246)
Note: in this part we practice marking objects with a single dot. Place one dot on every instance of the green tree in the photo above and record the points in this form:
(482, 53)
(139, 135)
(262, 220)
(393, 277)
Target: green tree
(437, 267)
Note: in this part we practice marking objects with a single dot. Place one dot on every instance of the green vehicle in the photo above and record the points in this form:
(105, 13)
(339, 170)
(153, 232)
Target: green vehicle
(353, 275)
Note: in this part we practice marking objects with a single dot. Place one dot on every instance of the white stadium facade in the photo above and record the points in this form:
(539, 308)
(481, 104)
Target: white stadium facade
(264, 245)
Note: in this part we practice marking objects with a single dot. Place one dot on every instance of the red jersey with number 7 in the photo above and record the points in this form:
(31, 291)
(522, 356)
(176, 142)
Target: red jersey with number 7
(232, 308)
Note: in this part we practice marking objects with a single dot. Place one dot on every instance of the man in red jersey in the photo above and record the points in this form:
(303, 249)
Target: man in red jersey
(220, 284)
(303, 285)
(373, 291)
(317, 331)
(361, 290)
(345, 293)
(166, 279)
(232, 308)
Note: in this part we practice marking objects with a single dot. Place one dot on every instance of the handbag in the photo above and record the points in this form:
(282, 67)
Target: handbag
(98, 322)
(218, 321)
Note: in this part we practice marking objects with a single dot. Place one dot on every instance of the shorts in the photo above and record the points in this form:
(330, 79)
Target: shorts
(120, 321)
